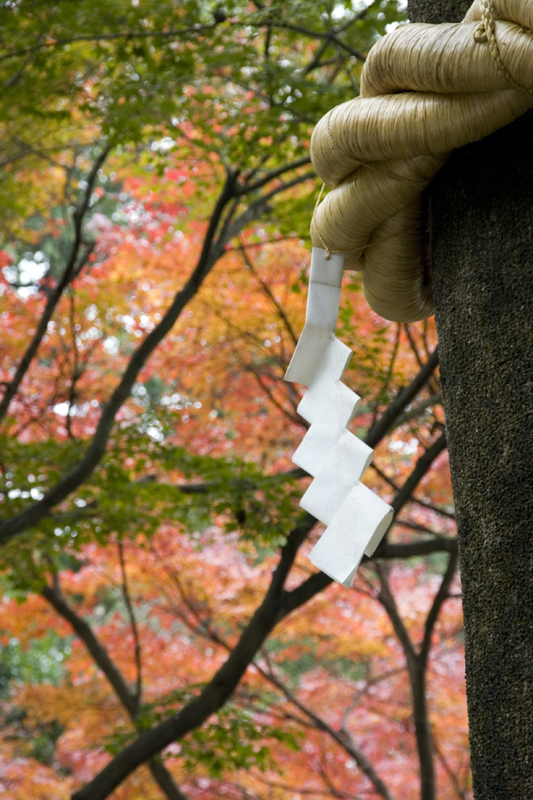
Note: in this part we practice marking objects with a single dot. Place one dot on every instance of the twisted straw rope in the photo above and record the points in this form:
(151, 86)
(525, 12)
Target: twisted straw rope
(425, 90)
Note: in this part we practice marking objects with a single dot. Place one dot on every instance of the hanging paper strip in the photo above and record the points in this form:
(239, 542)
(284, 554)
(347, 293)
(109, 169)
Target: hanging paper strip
(356, 518)
(323, 300)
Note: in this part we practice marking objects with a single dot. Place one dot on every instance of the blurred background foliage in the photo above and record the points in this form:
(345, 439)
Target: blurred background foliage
(144, 143)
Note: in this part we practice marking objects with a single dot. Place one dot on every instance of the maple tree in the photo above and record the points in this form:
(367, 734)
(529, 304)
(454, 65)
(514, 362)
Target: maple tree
(158, 605)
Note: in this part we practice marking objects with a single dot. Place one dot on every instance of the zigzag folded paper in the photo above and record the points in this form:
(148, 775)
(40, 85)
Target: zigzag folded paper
(332, 364)
(337, 410)
(356, 518)
(334, 480)
(355, 530)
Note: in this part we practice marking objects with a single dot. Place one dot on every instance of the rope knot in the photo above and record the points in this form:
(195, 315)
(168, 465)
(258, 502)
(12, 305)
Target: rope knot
(486, 32)
(480, 34)
(378, 152)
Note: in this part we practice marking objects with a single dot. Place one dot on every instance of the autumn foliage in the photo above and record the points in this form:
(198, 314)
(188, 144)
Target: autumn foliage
(126, 593)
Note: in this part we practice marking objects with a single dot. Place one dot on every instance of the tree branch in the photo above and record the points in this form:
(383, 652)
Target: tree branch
(417, 666)
(461, 793)
(97, 651)
(217, 691)
(388, 602)
(56, 294)
(404, 398)
(434, 400)
(417, 678)
(71, 480)
(422, 467)
(109, 37)
(435, 388)
(423, 503)
(276, 605)
(100, 656)
(133, 622)
(212, 249)
(329, 36)
(270, 176)
(319, 581)
(347, 744)
(268, 291)
(438, 601)
(256, 208)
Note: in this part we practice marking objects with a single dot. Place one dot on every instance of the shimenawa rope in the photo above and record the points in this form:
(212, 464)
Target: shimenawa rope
(425, 90)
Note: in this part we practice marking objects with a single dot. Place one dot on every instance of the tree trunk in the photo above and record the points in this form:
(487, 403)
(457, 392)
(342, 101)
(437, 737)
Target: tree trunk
(480, 242)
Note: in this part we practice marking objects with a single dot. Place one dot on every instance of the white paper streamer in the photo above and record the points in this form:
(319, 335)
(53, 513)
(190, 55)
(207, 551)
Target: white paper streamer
(341, 547)
(323, 300)
(335, 413)
(356, 518)
(347, 463)
(333, 363)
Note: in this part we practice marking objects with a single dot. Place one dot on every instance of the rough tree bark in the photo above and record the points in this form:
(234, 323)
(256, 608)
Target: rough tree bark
(480, 240)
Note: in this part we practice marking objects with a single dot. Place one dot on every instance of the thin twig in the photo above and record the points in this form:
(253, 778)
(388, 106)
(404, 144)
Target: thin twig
(133, 621)
(268, 291)
(69, 272)
(347, 743)
(56, 598)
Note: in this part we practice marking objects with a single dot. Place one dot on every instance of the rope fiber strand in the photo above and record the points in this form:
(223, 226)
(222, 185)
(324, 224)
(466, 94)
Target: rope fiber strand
(425, 90)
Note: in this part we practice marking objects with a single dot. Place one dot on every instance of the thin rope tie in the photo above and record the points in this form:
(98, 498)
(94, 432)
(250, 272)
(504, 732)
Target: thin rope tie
(486, 32)
(334, 145)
